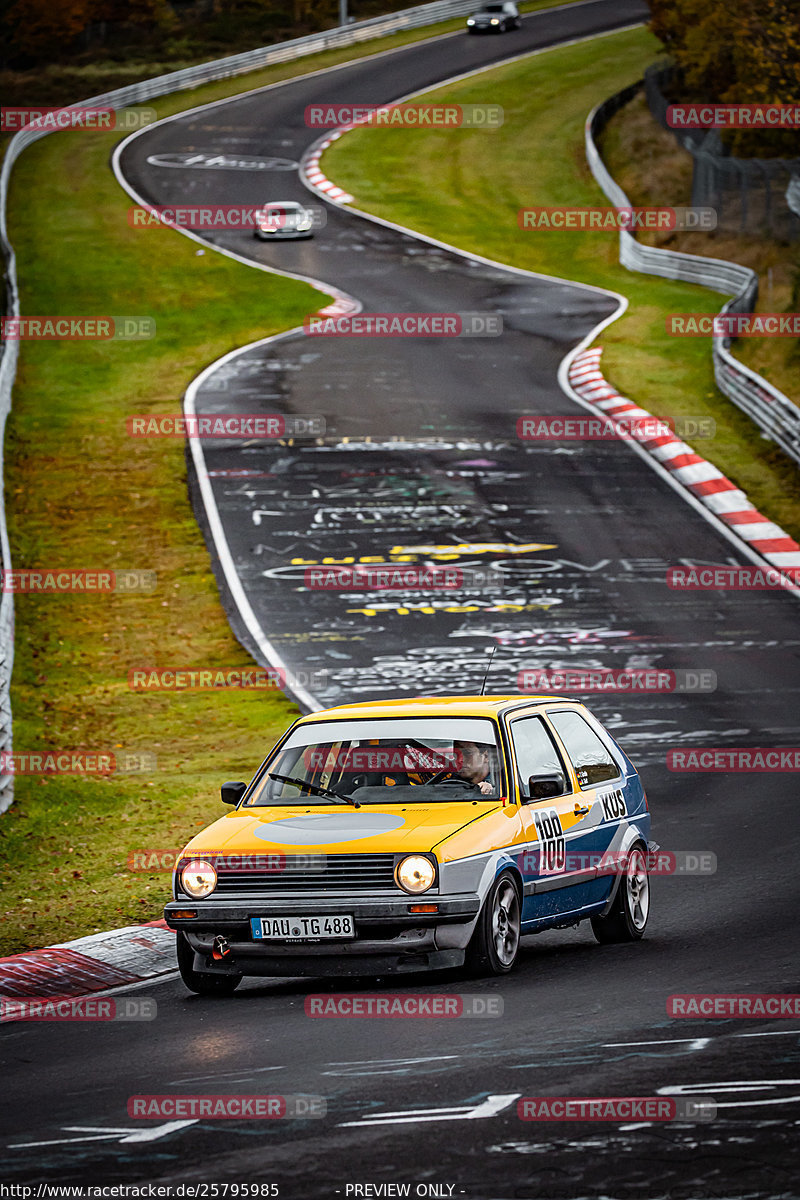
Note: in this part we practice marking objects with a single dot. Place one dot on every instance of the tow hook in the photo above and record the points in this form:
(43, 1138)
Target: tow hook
(221, 949)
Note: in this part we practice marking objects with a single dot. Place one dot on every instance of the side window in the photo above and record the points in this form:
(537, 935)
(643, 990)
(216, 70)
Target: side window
(535, 750)
(593, 762)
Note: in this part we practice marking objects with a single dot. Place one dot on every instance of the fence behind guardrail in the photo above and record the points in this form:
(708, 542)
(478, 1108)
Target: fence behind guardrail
(772, 411)
(749, 194)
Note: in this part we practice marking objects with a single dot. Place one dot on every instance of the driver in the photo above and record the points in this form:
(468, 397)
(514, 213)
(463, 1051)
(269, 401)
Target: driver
(474, 759)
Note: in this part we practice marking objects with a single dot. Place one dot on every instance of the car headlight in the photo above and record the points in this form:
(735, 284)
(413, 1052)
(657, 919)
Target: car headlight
(470, 21)
(415, 874)
(494, 21)
(198, 878)
(304, 222)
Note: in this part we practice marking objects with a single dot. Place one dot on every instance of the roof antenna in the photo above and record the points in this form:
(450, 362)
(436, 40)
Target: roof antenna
(488, 669)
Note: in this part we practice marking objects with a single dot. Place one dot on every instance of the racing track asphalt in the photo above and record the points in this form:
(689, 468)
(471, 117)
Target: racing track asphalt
(599, 599)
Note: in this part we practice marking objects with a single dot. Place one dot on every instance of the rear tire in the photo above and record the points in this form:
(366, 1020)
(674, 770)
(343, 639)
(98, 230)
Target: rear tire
(202, 982)
(494, 945)
(627, 919)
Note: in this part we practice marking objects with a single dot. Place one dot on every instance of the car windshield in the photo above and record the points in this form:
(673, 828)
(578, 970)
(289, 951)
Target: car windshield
(281, 212)
(492, 8)
(414, 760)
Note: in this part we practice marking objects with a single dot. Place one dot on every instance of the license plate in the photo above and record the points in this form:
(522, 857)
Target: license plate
(302, 929)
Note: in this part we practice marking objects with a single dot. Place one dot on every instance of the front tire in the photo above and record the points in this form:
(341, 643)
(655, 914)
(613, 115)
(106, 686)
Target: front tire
(494, 945)
(627, 919)
(201, 982)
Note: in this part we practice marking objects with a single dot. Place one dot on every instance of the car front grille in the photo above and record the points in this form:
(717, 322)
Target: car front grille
(307, 873)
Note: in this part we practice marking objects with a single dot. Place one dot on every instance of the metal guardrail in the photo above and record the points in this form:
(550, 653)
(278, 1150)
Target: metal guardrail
(8, 368)
(770, 409)
(136, 93)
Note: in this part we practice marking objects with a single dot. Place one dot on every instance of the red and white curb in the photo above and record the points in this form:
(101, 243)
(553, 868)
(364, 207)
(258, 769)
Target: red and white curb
(343, 306)
(90, 964)
(319, 182)
(699, 476)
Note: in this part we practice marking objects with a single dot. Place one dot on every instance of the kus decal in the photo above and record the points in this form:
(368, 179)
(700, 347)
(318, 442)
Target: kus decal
(614, 805)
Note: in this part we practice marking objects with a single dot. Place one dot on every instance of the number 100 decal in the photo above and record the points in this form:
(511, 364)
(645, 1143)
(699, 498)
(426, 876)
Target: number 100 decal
(552, 853)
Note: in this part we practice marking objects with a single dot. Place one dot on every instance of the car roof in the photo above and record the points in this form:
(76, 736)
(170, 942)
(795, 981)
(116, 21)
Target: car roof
(437, 706)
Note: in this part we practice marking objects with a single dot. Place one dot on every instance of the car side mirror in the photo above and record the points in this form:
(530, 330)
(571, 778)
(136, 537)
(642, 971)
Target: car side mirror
(232, 792)
(548, 783)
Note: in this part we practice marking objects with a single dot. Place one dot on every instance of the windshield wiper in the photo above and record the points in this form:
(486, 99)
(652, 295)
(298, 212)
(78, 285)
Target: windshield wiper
(314, 790)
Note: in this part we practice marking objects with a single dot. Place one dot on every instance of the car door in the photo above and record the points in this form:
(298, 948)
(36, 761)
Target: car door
(600, 806)
(551, 885)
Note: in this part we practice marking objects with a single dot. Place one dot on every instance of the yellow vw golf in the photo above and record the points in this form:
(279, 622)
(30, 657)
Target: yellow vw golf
(410, 835)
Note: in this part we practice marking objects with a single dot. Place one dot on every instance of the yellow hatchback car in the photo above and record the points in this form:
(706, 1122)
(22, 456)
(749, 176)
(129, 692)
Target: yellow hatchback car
(409, 835)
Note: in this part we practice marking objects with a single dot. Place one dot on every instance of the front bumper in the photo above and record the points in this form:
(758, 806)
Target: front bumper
(283, 235)
(389, 938)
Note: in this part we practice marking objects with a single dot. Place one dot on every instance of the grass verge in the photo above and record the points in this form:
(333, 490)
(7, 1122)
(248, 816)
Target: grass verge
(466, 187)
(81, 493)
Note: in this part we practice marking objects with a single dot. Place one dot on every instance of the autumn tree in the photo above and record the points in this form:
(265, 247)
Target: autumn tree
(732, 51)
(41, 29)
